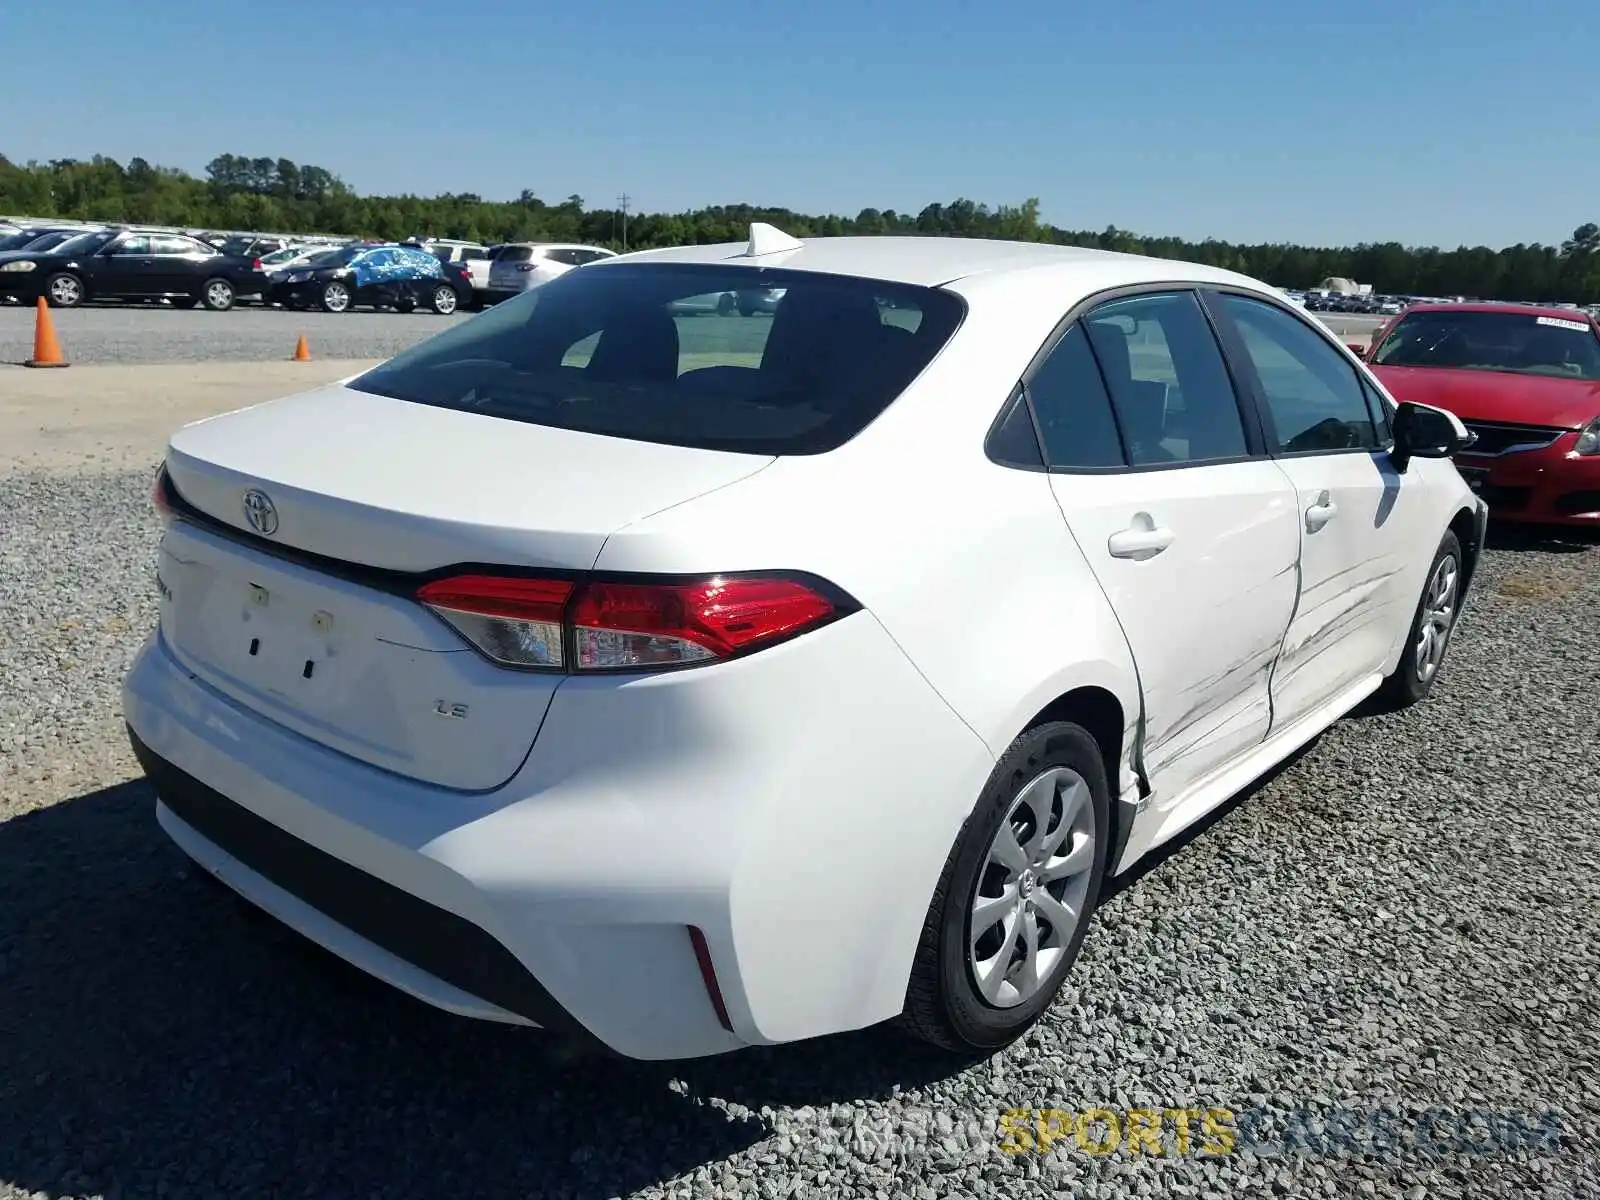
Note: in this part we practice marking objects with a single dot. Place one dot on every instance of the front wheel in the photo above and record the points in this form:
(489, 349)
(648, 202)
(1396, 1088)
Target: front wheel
(336, 298)
(64, 291)
(1431, 626)
(1014, 900)
(445, 300)
(217, 295)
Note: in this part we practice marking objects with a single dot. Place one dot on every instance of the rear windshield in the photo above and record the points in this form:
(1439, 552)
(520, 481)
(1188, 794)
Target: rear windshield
(1522, 343)
(662, 353)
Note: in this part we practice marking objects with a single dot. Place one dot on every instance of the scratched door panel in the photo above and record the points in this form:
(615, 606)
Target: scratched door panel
(1205, 616)
(1353, 599)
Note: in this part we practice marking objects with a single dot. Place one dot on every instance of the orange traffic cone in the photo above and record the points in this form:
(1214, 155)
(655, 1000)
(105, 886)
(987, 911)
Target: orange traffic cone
(46, 350)
(302, 352)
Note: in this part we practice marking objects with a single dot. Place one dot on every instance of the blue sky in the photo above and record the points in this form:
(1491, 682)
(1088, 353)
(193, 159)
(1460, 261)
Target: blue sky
(1427, 121)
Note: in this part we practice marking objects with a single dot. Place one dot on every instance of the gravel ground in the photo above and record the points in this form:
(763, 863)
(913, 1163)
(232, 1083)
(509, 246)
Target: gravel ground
(1406, 917)
(156, 334)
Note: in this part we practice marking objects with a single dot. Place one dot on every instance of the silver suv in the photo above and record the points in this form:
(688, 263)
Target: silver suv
(521, 266)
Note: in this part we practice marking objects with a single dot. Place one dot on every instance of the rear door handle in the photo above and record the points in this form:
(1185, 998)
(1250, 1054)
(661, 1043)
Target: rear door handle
(1141, 540)
(1320, 513)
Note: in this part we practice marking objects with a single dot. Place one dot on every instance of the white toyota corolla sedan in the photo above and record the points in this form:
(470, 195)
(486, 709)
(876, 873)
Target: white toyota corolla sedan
(690, 684)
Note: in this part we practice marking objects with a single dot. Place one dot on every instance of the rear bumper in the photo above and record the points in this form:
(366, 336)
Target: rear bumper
(785, 816)
(1551, 486)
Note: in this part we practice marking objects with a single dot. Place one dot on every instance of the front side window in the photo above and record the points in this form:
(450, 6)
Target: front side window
(1521, 343)
(1313, 395)
(132, 245)
(1174, 399)
(625, 352)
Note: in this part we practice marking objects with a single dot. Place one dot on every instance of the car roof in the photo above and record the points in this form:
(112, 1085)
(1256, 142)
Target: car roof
(924, 261)
(1535, 310)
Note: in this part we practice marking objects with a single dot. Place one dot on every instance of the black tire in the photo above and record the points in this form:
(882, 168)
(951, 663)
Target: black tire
(1410, 683)
(726, 304)
(64, 290)
(184, 302)
(405, 304)
(217, 295)
(943, 1004)
(444, 300)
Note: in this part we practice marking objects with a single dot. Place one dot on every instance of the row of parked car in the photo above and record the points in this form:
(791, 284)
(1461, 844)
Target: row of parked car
(70, 263)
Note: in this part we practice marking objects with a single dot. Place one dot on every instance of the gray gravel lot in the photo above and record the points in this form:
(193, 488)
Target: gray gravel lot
(157, 334)
(1407, 916)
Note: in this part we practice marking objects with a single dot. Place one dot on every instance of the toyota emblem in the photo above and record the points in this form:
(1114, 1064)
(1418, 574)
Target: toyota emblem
(260, 512)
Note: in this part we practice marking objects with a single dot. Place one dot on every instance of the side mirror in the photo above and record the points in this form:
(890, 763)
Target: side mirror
(1422, 431)
(1358, 351)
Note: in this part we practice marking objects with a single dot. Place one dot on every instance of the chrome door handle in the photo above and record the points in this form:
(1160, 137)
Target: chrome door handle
(1320, 513)
(1141, 540)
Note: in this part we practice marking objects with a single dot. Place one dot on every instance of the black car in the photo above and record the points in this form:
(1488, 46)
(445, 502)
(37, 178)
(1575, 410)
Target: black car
(385, 276)
(37, 237)
(130, 264)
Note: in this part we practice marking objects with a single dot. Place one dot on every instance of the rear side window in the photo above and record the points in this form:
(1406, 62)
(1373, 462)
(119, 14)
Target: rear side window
(1174, 398)
(651, 353)
(514, 254)
(1073, 407)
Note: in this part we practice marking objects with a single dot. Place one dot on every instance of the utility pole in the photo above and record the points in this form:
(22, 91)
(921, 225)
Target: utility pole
(622, 206)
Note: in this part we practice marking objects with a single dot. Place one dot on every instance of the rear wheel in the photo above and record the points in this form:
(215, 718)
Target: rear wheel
(63, 291)
(445, 299)
(1431, 626)
(1013, 902)
(217, 295)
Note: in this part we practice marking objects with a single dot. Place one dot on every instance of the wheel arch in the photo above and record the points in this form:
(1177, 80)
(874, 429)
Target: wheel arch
(1464, 526)
(1103, 716)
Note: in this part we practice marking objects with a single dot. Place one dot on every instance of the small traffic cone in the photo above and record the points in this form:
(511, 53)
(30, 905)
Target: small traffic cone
(46, 350)
(302, 352)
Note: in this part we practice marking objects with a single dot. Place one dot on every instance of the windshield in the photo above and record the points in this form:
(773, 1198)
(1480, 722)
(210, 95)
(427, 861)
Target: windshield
(660, 353)
(282, 256)
(1520, 343)
(85, 243)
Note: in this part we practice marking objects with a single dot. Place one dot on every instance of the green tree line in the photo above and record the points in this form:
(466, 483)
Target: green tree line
(278, 195)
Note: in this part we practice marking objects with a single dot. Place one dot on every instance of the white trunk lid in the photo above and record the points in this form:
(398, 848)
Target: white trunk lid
(382, 489)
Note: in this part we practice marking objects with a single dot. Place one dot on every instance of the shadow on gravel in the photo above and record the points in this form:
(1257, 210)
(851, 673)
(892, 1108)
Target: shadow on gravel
(155, 1038)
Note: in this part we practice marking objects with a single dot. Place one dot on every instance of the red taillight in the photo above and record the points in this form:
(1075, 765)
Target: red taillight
(158, 493)
(627, 626)
(255, 264)
(708, 976)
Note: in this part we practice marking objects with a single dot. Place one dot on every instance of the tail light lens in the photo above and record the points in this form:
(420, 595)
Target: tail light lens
(158, 493)
(631, 626)
(255, 264)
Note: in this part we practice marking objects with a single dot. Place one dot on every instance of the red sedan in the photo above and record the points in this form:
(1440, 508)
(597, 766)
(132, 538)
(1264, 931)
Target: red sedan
(1526, 381)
